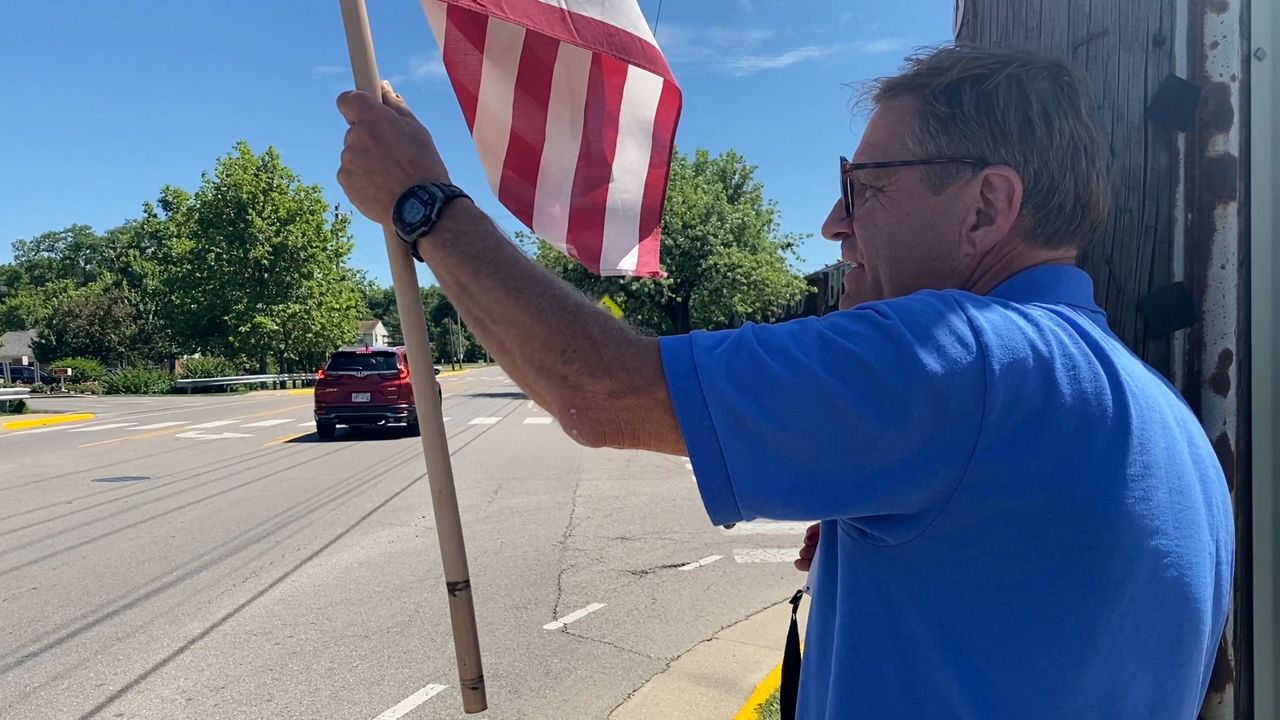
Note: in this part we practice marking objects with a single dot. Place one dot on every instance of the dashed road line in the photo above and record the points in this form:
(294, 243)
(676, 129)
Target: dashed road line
(485, 421)
(702, 563)
(214, 424)
(573, 616)
(156, 426)
(107, 426)
(768, 528)
(268, 423)
(407, 705)
(538, 421)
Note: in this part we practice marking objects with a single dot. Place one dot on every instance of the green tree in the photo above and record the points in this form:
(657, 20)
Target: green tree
(258, 264)
(726, 260)
(94, 322)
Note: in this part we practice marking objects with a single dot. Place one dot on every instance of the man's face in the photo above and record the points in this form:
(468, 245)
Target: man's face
(901, 238)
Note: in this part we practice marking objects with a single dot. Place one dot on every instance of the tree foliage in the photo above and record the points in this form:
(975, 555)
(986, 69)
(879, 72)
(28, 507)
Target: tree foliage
(726, 260)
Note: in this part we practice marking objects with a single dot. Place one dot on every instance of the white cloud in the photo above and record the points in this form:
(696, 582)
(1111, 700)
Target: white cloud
(329, 70)
(748, 64)
(424, 66)
(730, 37)
(881, 45)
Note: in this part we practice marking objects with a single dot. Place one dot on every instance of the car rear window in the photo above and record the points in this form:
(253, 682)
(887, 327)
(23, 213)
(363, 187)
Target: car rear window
(362, 362)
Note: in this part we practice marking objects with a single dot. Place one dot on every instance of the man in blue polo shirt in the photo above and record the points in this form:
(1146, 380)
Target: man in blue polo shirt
(1019, 519)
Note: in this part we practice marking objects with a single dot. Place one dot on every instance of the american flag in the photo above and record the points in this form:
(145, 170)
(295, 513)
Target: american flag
(573, 110)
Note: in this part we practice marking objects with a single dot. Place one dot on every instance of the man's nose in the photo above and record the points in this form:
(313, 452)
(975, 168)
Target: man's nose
(837, 226)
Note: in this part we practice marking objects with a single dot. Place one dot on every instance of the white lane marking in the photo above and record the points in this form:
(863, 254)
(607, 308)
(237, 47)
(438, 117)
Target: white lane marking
(538, 421)
(309, 423)
(764, 555)
(204, 436)
(108, 426)
(768, 528)
(31, 432)
(701, 563)
(446, 419)
(485, 421)
(405, 706)
(269, 423)
(214, 424)
(573, 616)
(156, 426)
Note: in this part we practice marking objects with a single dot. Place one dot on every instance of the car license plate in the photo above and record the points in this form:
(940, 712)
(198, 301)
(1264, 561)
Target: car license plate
(359, 397)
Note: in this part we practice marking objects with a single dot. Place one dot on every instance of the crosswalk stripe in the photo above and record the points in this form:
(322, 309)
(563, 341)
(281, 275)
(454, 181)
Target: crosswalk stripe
(108, 426)
(156, 426)
(268, 423)
(485, 421)
(537, 421)
(214, 424)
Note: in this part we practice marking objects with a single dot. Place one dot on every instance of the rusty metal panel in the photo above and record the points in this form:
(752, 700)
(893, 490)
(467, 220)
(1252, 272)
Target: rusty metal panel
(1216, 256)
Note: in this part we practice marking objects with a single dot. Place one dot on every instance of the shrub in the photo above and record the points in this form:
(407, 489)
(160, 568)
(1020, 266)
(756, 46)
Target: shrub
(87, 388)
(17, 407)
(138, 381)
(83, 369)
(208, 367)
(39, 388)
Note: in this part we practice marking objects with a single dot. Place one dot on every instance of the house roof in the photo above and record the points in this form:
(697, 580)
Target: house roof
(16, 343)
(368, 326)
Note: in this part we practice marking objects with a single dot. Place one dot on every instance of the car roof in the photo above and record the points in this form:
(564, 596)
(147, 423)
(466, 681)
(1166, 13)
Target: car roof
(372, 348)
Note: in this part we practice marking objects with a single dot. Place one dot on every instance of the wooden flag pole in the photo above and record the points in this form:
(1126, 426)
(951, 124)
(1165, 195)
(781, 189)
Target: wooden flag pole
(435, 446)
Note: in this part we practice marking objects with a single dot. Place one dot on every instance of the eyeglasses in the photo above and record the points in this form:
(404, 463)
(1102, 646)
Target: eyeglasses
(847, 169)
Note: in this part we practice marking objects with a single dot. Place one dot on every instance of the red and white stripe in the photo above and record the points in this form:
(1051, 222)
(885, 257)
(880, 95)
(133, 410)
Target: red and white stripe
(573, 110)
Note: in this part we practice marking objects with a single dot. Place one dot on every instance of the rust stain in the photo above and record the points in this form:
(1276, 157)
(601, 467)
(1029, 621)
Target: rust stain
(1220, 380)
(1216, 113)
(1223, 671)
(1221, 179)
(1227, 458)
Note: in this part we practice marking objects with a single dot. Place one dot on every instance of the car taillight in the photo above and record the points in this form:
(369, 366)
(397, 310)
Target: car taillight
(320, 374)
(404, 373)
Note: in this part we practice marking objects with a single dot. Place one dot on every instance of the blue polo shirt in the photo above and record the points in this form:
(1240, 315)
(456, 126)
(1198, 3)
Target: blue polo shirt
(1020, 519)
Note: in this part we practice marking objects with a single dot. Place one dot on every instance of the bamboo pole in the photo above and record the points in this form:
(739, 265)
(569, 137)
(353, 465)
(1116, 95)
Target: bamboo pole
(435, 447)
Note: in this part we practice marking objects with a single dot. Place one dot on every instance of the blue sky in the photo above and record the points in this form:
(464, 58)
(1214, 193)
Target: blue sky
(106, 102)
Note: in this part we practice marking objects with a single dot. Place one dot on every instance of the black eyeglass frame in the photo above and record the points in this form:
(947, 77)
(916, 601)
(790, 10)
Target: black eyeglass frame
(848, 168)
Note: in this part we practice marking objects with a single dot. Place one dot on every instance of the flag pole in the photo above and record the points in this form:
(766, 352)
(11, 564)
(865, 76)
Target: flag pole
(435, 446)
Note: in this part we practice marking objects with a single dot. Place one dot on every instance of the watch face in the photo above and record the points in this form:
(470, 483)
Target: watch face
(412, 211)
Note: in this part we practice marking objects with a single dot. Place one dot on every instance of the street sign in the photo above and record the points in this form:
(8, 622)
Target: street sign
(62, 372)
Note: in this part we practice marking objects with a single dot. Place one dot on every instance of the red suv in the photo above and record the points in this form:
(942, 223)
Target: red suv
(365, 386)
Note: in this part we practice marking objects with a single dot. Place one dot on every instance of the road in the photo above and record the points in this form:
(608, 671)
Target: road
(208, 557)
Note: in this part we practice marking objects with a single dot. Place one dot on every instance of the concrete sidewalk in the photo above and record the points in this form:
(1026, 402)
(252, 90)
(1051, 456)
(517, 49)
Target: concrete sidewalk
(717, 676)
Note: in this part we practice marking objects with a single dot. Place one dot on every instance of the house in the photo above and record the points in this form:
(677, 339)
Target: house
(15, 347)
(372, 333)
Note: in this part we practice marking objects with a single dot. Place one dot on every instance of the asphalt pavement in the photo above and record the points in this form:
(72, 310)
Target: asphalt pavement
(208, 557)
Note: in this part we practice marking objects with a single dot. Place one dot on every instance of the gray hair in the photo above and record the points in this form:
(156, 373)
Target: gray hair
(1017, 108)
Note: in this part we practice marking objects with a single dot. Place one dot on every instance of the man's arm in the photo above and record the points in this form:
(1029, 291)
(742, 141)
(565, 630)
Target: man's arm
(600, 380)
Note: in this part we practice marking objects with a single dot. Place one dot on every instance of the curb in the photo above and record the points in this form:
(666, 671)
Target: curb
(47, 420)
(751, 709)
(301, 391)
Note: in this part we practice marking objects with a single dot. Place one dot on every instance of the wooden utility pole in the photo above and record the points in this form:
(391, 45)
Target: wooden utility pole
(1170, 81)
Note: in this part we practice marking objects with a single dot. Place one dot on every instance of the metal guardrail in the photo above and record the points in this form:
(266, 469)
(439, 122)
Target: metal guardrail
(8, 395)
(294, 379)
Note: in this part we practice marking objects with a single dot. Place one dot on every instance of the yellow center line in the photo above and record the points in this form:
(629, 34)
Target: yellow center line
(286, 438)
(143, 436)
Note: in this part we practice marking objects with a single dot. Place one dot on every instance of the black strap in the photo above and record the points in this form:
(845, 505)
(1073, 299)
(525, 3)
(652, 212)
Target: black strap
(790, 690)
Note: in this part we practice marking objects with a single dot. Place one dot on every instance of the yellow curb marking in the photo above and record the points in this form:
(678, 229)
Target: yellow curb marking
(771, 682)
(300, 391)
(48, 420)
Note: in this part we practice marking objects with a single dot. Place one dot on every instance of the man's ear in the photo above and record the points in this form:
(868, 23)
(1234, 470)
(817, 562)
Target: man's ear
(993, 215)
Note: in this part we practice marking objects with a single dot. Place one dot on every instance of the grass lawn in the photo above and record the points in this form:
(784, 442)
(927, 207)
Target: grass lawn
(770, 709)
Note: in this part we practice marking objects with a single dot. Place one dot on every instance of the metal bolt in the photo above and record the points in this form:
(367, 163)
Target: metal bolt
(1261, 54)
